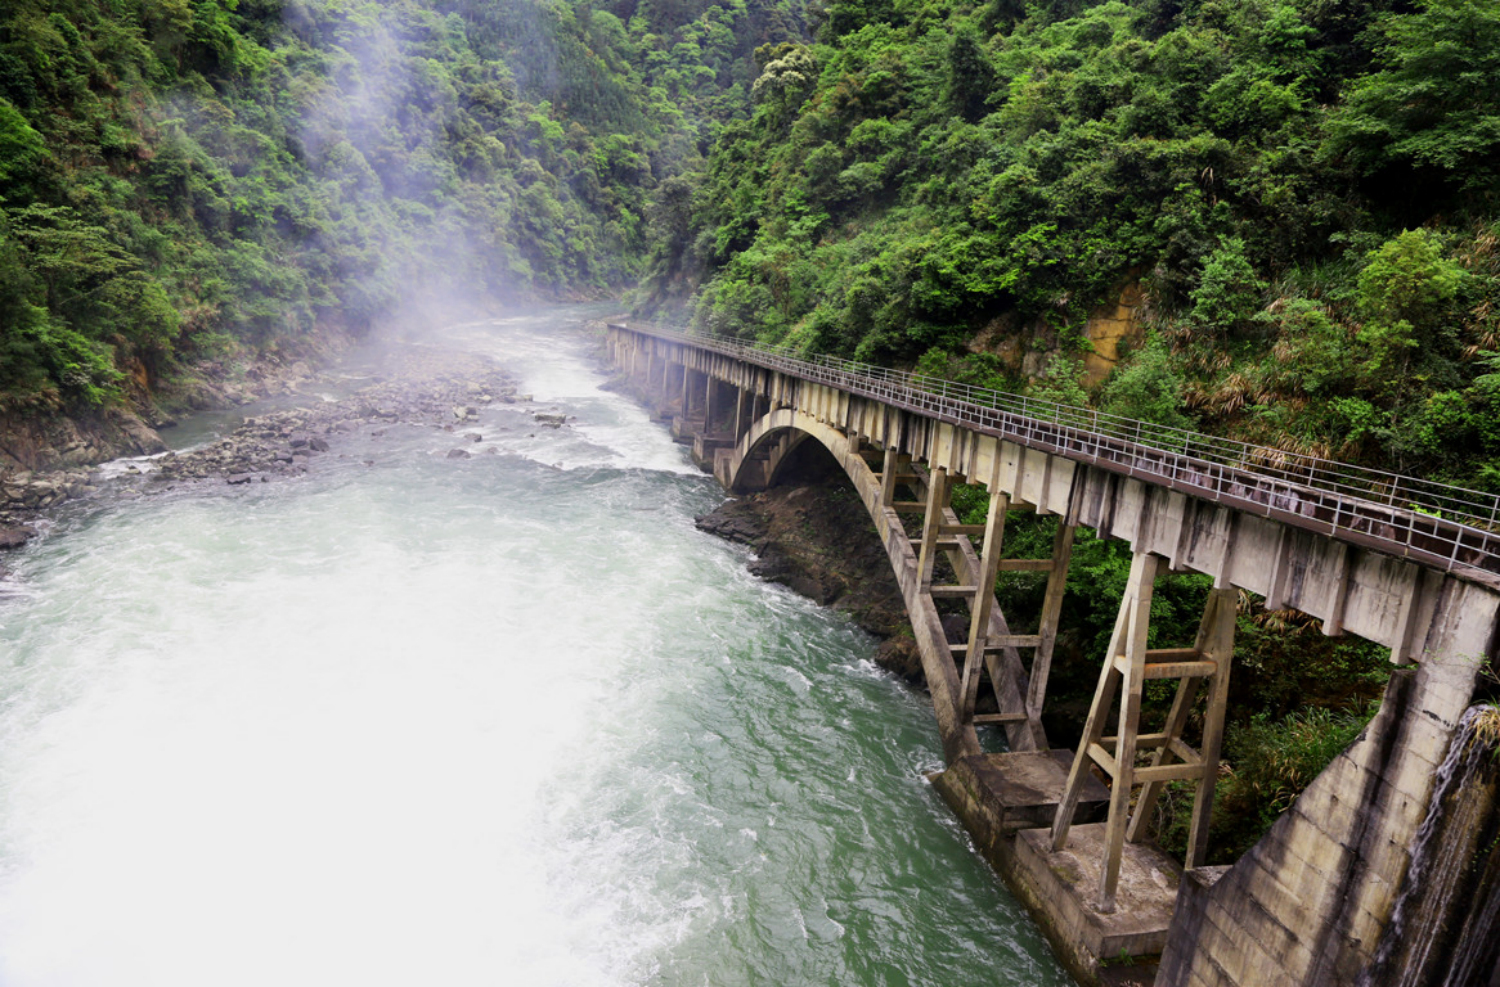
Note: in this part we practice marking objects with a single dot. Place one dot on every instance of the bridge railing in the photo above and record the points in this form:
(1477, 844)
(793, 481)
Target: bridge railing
(1446, 525)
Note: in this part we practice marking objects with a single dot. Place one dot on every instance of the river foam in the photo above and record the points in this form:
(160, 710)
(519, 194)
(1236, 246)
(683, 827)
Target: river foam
(413, 719)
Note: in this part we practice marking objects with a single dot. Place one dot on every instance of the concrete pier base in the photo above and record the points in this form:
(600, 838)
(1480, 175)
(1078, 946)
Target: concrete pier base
(1007, 801)
(997, 795)
(706, 445)
(685, 429)
(1062, 889)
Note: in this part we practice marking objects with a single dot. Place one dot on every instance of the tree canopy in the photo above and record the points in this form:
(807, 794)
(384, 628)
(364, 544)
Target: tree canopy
(184, 178)
(1303, 195)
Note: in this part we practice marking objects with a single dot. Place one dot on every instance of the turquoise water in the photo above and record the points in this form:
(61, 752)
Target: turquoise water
(504, 720)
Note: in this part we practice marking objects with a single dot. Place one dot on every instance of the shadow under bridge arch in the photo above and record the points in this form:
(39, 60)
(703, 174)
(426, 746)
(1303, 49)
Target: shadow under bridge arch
(761, 457)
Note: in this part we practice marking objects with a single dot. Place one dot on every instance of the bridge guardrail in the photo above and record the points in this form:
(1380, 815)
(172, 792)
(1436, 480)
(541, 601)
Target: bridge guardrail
(1446, 526)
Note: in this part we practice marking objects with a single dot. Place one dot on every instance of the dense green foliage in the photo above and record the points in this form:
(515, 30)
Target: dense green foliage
(1274, 760)
(180, 178)
(1306, 192)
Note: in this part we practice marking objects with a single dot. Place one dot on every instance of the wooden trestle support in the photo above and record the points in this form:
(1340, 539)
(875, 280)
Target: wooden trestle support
(991, 650)
(1128, 665)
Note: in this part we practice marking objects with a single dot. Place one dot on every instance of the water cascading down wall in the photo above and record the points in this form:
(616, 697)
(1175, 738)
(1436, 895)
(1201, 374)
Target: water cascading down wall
(1336, 891)
(1445, 929)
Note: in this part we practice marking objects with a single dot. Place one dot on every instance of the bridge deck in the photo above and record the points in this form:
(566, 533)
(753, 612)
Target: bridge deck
(1437, 525)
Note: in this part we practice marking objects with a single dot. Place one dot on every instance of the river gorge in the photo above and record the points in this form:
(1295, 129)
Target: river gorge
(506, 717)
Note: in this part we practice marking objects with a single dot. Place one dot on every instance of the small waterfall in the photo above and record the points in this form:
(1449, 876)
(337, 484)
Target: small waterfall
(1445, 930)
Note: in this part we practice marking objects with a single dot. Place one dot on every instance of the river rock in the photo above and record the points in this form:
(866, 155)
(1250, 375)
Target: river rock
(14, 537)
(735, 521)
(141, 436)
(816, 539)
(235, 479)
(458, 454)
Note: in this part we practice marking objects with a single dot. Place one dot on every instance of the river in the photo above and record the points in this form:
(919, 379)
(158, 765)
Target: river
(507, 720)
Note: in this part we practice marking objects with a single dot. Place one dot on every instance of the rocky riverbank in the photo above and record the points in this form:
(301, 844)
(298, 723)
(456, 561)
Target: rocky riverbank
(815, 538)
(406, 385)
(39, 435)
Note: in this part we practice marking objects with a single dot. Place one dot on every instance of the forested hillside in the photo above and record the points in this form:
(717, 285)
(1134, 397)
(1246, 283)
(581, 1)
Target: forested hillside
(1277, 220)
(189, 180)
(1297, 200)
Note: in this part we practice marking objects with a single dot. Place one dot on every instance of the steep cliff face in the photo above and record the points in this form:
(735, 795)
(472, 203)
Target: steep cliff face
(1030, 349)
(1110, 330)
(40, 441)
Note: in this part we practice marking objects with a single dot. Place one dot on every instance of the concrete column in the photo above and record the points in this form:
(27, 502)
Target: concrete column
(1057, 584)
(741, 419)
(1128, 642)
(984, 596)
(888, 475)
(937, 499)
(687, 392)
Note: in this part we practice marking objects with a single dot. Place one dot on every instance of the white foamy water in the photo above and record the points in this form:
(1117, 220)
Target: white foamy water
(485, 721)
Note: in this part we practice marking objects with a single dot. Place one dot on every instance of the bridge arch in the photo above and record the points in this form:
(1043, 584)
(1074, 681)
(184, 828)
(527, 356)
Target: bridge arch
(764, 449)
(756, 462)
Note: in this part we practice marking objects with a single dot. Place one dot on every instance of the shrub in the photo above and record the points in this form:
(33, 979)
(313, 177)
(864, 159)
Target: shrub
(1271, 763)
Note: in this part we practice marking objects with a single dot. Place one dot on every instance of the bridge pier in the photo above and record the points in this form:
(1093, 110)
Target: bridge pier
(1128, 665)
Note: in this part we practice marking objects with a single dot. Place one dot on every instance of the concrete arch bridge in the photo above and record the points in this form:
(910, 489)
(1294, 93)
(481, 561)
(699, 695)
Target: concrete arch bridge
(1406, 563)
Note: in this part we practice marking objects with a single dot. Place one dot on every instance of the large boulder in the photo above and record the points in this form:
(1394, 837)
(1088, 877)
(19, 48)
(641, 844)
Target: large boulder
(14, 537)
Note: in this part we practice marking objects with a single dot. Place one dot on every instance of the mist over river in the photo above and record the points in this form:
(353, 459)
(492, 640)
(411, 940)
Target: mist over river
(506, 720)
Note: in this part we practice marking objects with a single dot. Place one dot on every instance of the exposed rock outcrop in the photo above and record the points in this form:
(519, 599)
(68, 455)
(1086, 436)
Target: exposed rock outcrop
(817, 539)
(39, 441)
